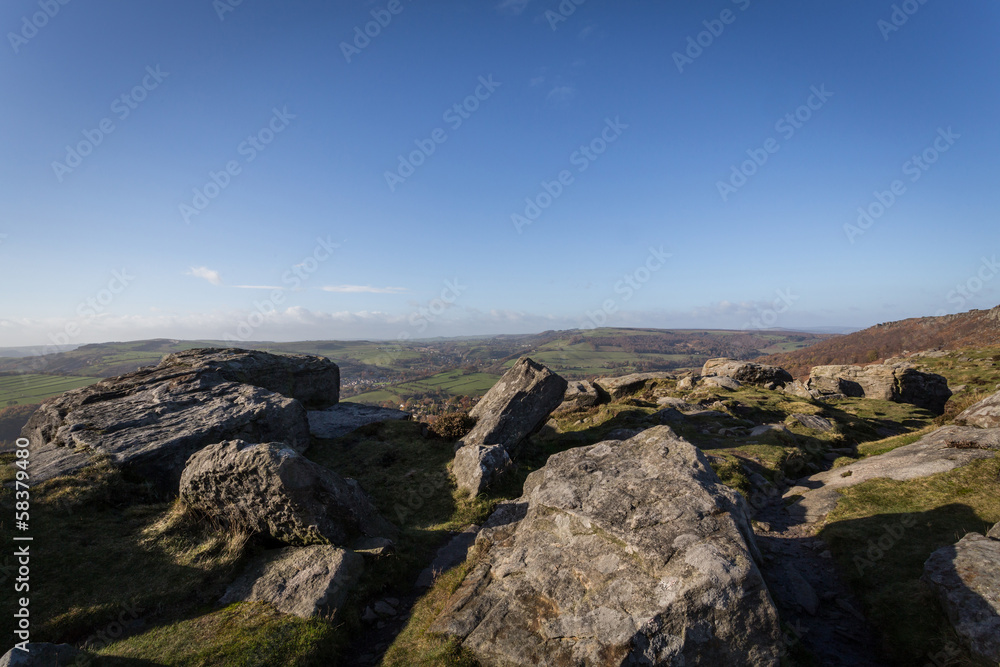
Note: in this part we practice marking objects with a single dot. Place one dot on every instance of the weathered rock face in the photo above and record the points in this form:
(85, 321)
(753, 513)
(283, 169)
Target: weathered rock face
(628, 384)
(747, 372)
(721, 381)
(901, 383)
(45, 655)
(942, 450)
(624, 552)
(967, 580)
(343, 418)
(314, 381)
(152, 420)
(984, 414)
(274, 490)
(514, 408)
(580, 394)
(304, 581)
(994, 533)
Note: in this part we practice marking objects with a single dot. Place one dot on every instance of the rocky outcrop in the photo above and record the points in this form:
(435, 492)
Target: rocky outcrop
(40, 654)
(624, 385)
(994, 533)
(967, 581)
(152, 420)
(623, 552)
(901, 383)
(942, 450)
(271, 489)
(984, 414)
(341, 419)
(303, 581)
(580, 394)
(314, 381)
(747, 372)
(514, 408)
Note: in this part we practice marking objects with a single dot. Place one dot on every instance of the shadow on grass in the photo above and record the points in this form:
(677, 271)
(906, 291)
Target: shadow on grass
(882, 558)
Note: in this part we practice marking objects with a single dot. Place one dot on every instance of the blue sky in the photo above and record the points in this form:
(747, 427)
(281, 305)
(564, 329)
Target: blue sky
(693, 164)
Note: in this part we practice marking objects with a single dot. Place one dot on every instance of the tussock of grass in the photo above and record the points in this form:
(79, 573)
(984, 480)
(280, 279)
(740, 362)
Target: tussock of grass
(240, 635)
(942, 508)
(103, 546)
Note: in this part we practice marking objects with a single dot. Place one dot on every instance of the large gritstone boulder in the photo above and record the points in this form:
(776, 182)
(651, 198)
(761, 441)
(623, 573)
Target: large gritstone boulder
(273, 490)
(152, 420)
(901, 383)
(967, 580)
(621, 553)
(314, 381)
(514, 408)
(747, 372)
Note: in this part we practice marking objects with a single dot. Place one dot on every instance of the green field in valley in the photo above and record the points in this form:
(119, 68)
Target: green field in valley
(34, 388)
(453, 383)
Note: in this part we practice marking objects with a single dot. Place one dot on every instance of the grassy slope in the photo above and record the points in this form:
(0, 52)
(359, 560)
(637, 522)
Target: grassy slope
(35, 388)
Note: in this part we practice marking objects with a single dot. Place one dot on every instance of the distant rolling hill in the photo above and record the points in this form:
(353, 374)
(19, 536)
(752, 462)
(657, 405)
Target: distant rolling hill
(976, 328)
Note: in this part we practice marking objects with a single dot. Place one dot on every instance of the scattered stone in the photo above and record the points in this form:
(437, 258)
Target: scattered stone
(722, 382)
(984, 414)
(900, 382)
(152, 420)
(710, 414)
(514, 408)
(967, 581)
(274, 490)
(688, 382)
(802, 591)
(677, 403)
(669, 416)
(369, 616)
(341, 419)
(624, 385)
(814, 422)
(764, 429)
(304, 581)
(580, 394)
(477, 466)
(383, 608)
(448, 556)
(747, 372)
(40, 654)
(634, 549)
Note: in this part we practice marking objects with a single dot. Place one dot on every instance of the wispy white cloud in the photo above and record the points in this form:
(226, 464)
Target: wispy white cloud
(512, 6)
(206, 274)
(560, 94)
(257, 287)
(363, 289)
(536, 81)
